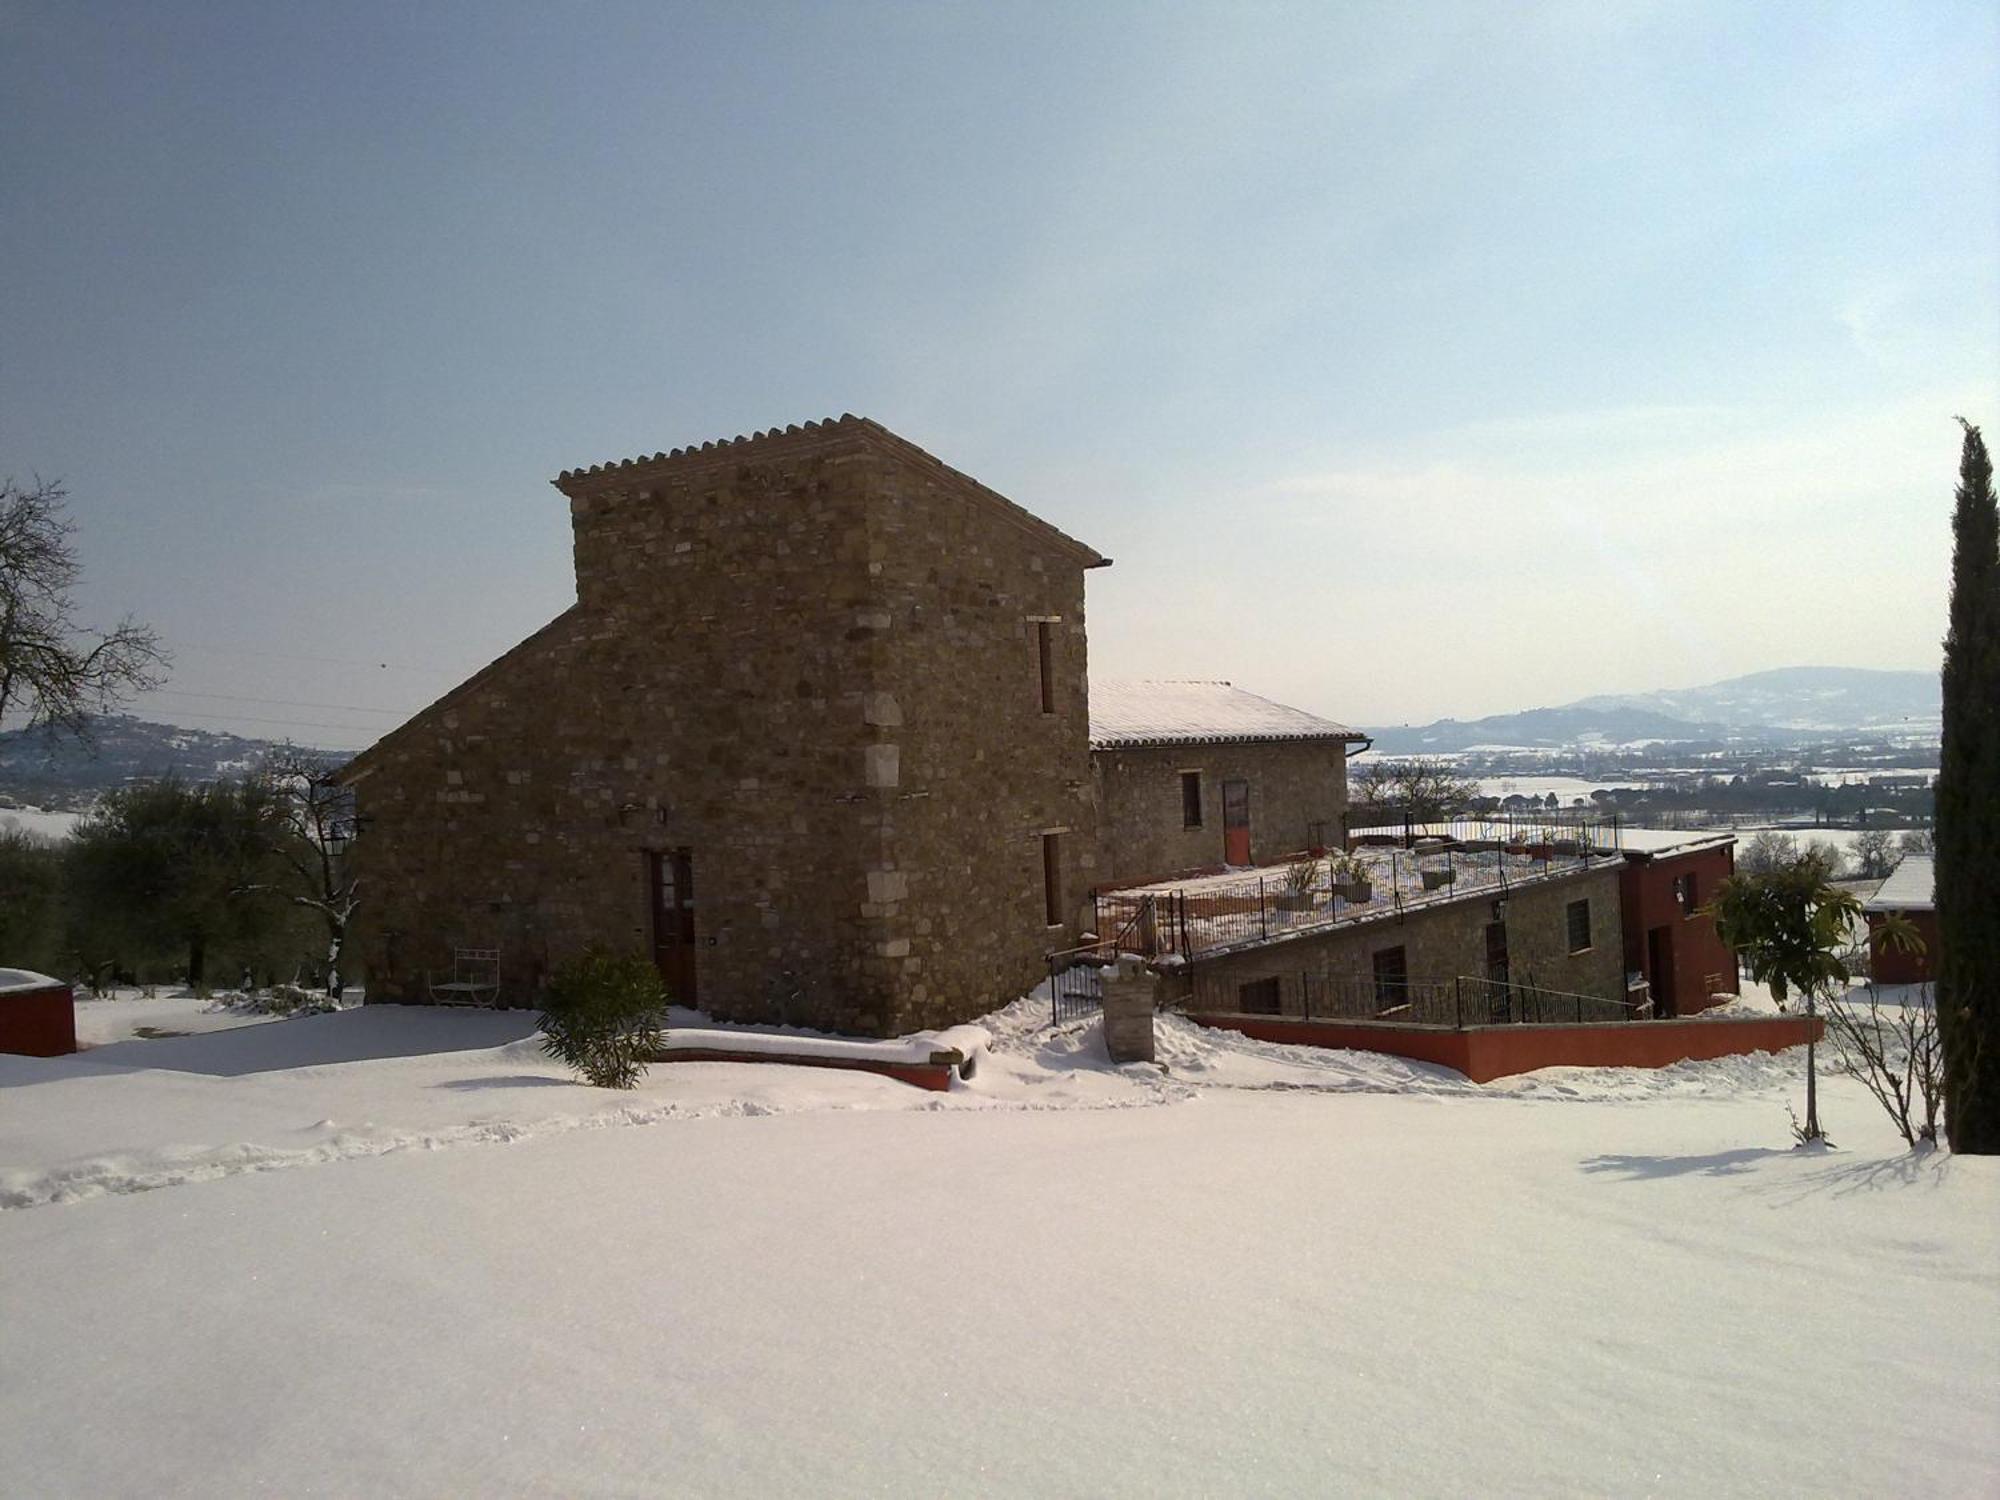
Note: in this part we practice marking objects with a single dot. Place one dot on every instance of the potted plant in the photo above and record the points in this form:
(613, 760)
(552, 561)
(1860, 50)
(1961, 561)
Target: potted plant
(1300, 878)
(1351, 878)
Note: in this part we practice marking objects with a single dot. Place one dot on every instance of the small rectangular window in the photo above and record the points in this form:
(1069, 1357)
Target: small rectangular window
(1045, 652)
(1579, 926)
(1684, 893)
(1392, 978)
(1052, 878)
(1190, 799)
(1260, 997)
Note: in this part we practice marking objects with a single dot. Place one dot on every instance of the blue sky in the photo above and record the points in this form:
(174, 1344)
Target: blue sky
(1409, 359)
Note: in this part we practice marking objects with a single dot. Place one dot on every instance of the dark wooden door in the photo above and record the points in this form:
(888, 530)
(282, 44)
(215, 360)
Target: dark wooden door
(672, 878)
(1496, 952)
(1236, 822)
(1660, 970)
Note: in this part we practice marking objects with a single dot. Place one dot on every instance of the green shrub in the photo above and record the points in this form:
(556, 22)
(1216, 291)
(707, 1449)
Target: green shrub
(606, 1017)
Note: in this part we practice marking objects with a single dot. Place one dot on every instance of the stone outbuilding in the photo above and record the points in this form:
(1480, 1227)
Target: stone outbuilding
(814, 734)
(1195, 776)
(1554, 928)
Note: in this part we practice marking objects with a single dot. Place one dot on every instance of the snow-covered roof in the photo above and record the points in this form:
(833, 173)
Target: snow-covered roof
(1911, 886)
(1667, 840)
(1608, 838)
(1197, 713)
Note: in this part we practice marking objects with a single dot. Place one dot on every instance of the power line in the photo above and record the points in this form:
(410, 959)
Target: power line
(355, 708)
(192, 713)
(325, 661)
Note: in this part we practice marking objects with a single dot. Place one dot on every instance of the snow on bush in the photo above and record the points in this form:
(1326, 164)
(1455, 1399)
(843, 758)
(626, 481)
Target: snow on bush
(278, 1000)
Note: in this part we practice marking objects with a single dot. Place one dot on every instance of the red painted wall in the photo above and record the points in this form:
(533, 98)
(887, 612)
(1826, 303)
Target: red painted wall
(1891, 967)
(1483, 1053)
(38, 1023)
(1700, 957)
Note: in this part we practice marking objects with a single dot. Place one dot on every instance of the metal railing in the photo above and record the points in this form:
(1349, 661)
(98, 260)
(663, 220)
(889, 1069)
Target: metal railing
(1453, 1004)
(1076, 975)
(1251, 909)
(1584, 828)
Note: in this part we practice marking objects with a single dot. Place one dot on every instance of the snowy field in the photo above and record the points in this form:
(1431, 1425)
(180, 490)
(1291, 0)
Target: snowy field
(53, 826)
(394, 1251)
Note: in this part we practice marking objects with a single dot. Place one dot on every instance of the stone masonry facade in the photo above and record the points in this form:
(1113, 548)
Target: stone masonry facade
(1297, 788)
(842, 682)
(1443, 941)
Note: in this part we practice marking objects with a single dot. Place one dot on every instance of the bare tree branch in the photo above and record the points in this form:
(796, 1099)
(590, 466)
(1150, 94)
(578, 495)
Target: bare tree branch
(55, 672)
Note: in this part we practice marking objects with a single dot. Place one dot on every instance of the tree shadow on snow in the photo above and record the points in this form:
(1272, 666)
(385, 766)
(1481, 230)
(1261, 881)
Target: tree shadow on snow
(1841, 1179)
(362, 1034)
(1834, 1176)
(510, 1081)
(1716, 1164)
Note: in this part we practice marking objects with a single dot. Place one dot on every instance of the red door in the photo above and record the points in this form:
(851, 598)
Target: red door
(1236, 822)
(672, 875)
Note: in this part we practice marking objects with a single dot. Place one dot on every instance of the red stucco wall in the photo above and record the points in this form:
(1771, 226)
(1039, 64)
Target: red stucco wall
(1700, 958)
(38, 1022)
(1483, 1053)
(1888, 966)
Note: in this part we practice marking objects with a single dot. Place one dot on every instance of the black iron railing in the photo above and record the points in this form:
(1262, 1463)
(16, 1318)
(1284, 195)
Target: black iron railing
(1076, 975)
(1452, 1004)
(1380, 880)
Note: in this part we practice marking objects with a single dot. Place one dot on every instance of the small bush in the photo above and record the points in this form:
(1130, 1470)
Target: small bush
(606, 1017)
(278, 1000)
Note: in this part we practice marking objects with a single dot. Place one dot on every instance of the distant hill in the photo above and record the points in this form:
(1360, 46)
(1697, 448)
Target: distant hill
(67, 773)
(1788, 705)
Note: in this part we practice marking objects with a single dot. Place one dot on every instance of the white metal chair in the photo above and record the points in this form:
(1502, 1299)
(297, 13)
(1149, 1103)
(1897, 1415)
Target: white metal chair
(475, 978)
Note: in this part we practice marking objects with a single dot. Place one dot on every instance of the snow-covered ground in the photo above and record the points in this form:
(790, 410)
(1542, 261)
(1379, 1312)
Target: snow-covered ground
(54, 826)
(396, 1251)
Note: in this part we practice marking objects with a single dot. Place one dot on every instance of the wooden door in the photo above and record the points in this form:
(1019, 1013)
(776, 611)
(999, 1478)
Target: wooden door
(672, 879)
(1497, 967)
(1660, 971)
(1236, 822)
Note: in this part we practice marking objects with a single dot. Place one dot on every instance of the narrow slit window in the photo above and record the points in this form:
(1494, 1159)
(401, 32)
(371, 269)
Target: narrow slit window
(1045, 656)
(1579, 926)
(1190, 799)
(1052, 878)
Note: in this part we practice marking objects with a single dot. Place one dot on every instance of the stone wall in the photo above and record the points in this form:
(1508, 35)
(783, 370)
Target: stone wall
(1294, 784)
(982, 772)
(790, 657)
(1443, 941)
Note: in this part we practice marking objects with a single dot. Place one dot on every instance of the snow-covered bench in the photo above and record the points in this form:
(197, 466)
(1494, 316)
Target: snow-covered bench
(475, 978)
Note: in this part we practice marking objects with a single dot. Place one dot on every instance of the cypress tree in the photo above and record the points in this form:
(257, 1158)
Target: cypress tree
(1968, 815)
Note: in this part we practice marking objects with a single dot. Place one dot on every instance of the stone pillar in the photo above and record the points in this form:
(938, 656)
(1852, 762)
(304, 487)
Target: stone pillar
(1128, 1012)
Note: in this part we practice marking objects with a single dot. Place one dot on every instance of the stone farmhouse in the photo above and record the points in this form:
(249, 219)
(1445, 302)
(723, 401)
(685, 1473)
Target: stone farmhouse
(815, 733)
(818, 736)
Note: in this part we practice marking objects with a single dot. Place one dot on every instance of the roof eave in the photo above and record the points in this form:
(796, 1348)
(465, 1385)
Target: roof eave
(1169, 742)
